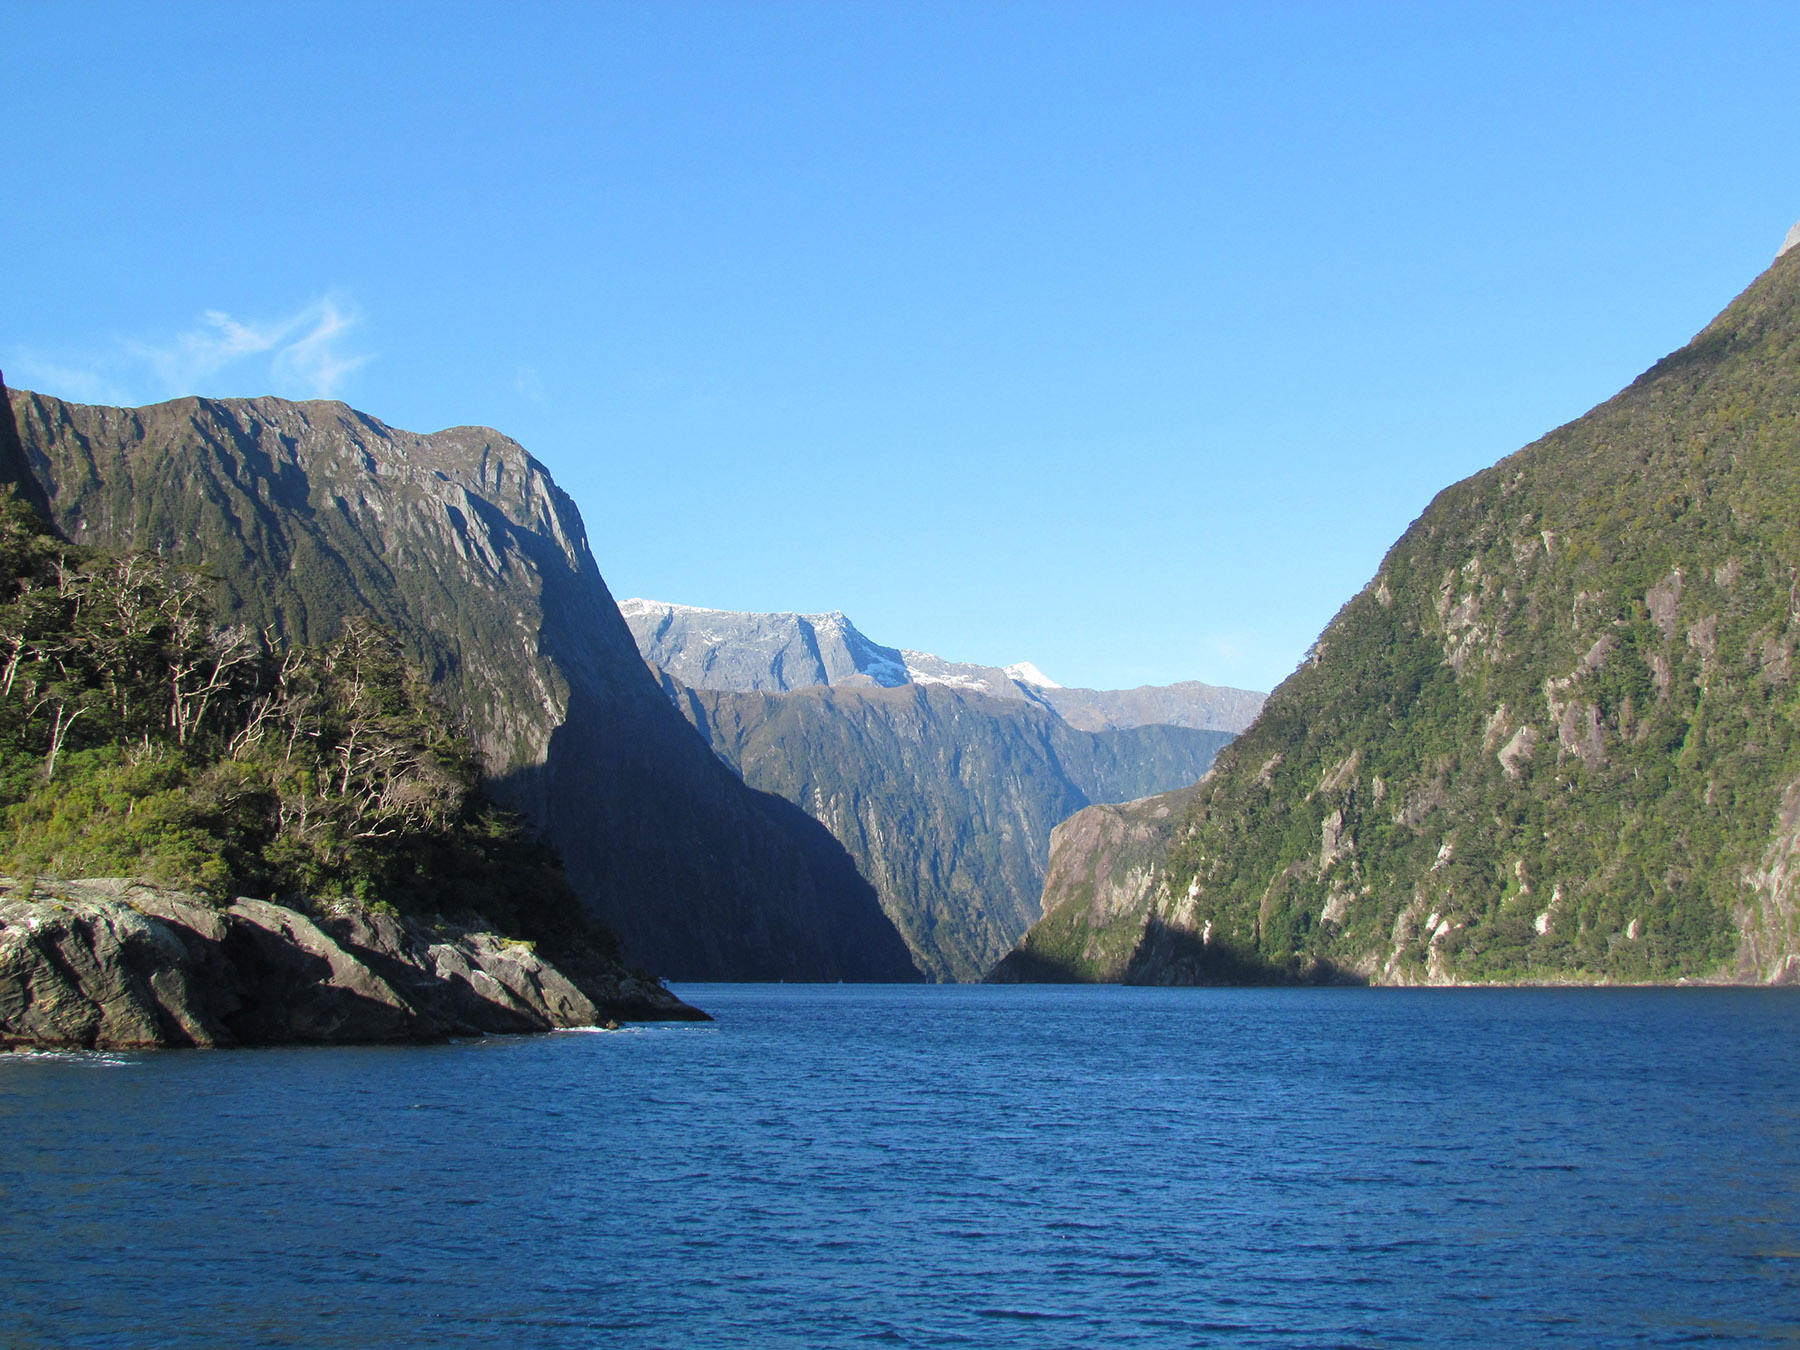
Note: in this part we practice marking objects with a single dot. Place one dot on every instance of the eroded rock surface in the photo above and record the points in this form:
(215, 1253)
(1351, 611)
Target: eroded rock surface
(111, 964)
(1106, 869)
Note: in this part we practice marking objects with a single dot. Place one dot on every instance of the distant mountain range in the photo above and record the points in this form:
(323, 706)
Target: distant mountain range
(780, 652)
(943, 779)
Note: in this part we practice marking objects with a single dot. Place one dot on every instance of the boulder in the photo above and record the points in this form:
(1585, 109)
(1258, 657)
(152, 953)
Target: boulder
(79, 971)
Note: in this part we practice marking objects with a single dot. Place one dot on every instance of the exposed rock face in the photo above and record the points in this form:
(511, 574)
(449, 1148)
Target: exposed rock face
(111, 964)
(1770, 917)
(719, 649)
(1106, 865)
(1554, 738)
(460, 542)
(777, 653)
(946, 799)
(15, 468)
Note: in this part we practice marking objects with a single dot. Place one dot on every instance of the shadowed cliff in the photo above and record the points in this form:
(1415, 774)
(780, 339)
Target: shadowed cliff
(306, 513)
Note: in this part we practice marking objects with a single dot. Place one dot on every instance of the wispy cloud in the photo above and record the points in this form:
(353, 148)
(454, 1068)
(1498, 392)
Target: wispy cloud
(304, 354)
(316, 360)
(528, 384)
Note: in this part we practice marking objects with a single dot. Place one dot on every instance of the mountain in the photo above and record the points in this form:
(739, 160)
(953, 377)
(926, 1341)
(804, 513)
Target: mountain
(945, 798)
(778, 652)
(306, 514)
(1106, 864)
(1553, 739)
(1190, 703)
(16, 475)
(943, 779)
(718, 649)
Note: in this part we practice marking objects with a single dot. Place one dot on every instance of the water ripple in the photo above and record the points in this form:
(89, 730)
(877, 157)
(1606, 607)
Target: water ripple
(932, 1167)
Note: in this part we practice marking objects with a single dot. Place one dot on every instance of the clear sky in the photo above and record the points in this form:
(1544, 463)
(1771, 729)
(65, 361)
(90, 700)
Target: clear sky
(1121, 338)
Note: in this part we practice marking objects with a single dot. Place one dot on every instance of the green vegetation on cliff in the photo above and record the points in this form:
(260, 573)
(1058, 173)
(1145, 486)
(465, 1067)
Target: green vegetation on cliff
(1555, 737)
(136, 739)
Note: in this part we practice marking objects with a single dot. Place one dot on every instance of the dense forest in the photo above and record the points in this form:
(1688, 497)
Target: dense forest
(138, 738)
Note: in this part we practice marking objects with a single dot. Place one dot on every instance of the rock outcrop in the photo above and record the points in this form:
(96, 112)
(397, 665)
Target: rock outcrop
(1106, 866)
(115, 964)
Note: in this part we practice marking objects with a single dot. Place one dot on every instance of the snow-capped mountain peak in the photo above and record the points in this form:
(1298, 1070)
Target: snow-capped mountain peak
(781, 651)
(1026, 673)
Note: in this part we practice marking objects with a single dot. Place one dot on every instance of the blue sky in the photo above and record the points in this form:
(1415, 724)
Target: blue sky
(1120, 338)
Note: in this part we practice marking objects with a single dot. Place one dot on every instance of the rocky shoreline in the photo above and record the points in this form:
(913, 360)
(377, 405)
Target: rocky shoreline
(113, 964)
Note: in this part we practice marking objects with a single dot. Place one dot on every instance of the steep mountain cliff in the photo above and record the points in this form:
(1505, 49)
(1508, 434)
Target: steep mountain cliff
(752, 653)
(1555, 737)
(16, 475)
(1106, 865)
(308, 513)
(946, 799)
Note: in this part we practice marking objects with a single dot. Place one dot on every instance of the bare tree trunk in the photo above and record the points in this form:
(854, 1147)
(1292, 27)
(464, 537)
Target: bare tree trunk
(58, 733)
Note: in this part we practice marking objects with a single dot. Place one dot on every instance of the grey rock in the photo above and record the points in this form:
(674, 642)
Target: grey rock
(778, 653)
(115, 964)
(970, 678)
(1793, 238)
(1105, 872)
(90, 971)
(1205, 707)
(748, 653)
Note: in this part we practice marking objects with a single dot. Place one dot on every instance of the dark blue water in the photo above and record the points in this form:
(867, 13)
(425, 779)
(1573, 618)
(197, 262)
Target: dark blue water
(937, 1166)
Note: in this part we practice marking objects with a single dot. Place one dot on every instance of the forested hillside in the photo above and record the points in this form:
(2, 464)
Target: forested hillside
(1555, 737)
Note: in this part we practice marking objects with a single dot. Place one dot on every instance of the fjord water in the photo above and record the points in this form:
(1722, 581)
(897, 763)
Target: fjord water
(1005, 1166)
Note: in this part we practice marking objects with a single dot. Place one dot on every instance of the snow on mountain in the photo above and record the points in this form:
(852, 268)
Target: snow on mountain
(723, 649)
(1026, 673)
(776, 652)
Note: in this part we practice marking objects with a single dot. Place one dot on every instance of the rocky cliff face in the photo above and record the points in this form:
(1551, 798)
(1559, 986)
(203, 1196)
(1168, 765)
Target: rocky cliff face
(1555, 737)
(776, 653)
(1106, 868)
(118, 965)
(16, 475)
(310, 512)
(719, 649)
(946, 799)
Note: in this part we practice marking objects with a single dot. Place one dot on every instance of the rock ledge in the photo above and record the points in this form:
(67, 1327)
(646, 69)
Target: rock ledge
(120, 965)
